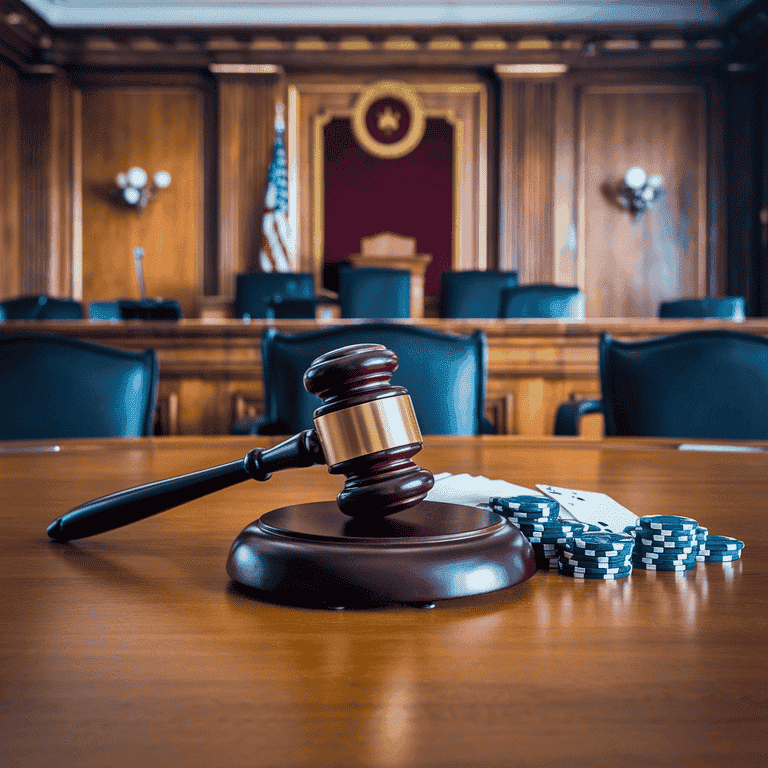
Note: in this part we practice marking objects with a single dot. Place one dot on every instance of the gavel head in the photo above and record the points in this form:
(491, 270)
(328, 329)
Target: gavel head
(368, 430)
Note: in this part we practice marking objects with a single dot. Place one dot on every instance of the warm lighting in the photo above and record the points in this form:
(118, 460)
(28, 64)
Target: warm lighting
(136, 189)
(638, 191)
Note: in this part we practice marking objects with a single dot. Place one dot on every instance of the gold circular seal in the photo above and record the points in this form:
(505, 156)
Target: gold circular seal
(388, 120)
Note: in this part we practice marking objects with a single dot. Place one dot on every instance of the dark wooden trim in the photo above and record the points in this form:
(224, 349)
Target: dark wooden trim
(741, 195)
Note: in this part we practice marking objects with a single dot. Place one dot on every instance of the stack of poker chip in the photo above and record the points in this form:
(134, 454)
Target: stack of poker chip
(597, 555)
(719, 549)
(538, 519)
(666, 543)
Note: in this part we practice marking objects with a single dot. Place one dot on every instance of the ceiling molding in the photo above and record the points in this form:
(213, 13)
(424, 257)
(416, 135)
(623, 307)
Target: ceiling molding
(275, 13)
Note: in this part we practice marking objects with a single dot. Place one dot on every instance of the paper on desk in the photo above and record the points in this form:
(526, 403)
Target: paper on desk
(585, 506)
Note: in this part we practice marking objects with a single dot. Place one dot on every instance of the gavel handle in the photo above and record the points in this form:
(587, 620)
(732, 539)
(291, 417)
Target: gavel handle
(125, 507)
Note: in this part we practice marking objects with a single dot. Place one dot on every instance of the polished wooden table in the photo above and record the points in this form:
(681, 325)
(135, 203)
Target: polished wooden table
(132, 648)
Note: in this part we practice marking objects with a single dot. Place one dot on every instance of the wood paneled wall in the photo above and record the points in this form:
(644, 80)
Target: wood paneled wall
(157, 128)
(10, 180)
(627, 266)
(560, 142)
(566, 143)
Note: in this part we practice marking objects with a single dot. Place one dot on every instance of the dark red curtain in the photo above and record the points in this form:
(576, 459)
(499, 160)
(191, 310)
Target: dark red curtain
(410, 195)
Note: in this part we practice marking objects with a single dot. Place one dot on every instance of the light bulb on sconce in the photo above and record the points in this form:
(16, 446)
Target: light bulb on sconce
(136, 189)
(638, 191)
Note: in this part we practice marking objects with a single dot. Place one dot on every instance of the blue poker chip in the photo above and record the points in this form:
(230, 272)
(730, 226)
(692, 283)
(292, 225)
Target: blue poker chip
(603, 540)
(727, 543)
(668, 522)
(657, 566)
(718, 558)
(599, 576)
(594, 553)
(525, 503)
(663, 564)
(570, 571)
(571, 557)
(643, 540)
(666, 550)
(648, 534)
(546, 540)
(664, 555)
(518, 518)
(587, 566)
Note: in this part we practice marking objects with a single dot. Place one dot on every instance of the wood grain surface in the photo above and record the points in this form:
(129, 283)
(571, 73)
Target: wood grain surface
(132, 648)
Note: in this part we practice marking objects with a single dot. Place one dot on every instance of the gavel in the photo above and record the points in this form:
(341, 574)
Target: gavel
(365, 429)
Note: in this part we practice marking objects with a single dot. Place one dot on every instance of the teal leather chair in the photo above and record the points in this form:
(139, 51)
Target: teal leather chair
(445, 375)
(41, 308)
(542, 301)
(727, 307)
(375, 293)
(709, 384)
(473, 293)
(56, 387)
(255, 291)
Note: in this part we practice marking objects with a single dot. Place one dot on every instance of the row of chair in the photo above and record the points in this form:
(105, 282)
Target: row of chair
(51, 308)
(370, 293)
(710, 384)
(376, 293)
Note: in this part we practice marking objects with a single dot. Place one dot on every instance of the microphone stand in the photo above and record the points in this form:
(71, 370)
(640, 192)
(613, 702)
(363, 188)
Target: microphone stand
(138, 255)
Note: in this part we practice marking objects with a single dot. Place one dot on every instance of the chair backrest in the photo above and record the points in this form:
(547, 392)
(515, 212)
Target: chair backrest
(730, 307)
(104, 310)
(254, 291)
(293, 309)
(374, 292)
(56, 387)
(564, 301)
(150, 310)
(702, 384)
(473, 293)
(42, 308)
(445, 374)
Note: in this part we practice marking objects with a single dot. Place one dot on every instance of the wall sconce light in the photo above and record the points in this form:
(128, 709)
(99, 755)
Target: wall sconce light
(639, 191)
(136, 188)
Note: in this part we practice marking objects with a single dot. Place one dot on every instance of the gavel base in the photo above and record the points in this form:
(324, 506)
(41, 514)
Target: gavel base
(314, 555)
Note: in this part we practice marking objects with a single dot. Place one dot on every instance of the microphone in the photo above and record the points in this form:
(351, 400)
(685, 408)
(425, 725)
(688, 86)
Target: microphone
(366, 429)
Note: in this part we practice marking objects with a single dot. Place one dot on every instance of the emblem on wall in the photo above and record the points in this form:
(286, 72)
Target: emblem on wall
(388, 120)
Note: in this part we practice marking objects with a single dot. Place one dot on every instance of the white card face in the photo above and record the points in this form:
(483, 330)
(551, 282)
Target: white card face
(472, 490)
(590, 507)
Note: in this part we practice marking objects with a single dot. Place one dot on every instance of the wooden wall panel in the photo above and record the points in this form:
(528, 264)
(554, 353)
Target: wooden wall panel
(526, 178)
(628, 266)
(246, 132)
(10, 182)
(159, 128)
(46, 125)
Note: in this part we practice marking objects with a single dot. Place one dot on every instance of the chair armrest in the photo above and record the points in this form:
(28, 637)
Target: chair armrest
(568, 419)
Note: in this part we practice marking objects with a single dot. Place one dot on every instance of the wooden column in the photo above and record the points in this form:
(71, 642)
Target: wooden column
(46, 130)
(247, 95)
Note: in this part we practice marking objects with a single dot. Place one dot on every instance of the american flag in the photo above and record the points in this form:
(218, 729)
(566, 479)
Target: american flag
(273, 253)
